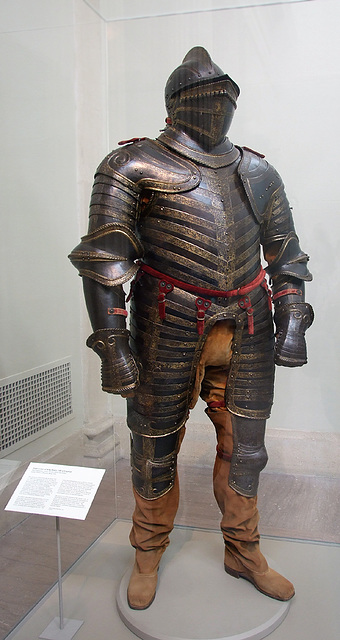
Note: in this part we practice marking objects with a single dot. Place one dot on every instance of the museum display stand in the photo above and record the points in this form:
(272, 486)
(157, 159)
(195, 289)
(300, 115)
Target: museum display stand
(197, 599)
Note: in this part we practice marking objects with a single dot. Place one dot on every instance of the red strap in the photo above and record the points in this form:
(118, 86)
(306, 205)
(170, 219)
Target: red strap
(216, 404)
(167, 284)
(241, 291)
(164, 288)
(287, 292)
(131, 140)
(114, 311)
(222, 455)
(245, 304)
(257, 153)
(202, 306)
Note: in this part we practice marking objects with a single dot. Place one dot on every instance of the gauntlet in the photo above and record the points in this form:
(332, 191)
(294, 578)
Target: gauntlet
(291, 321)
(288, 272)
(119, 369)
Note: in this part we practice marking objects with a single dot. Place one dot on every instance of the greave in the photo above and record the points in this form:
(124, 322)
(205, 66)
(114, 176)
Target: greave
(249, 455)
(240, 517)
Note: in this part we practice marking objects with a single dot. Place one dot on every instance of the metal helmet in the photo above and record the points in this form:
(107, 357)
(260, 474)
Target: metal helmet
(200, 98)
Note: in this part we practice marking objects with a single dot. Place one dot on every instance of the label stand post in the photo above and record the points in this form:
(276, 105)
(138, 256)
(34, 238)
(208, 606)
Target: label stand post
(61, 610)
(60, 628)
(61, 491)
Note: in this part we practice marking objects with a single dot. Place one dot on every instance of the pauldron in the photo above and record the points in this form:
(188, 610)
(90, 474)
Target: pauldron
(149, 165)
(262, 184)
(108, 253)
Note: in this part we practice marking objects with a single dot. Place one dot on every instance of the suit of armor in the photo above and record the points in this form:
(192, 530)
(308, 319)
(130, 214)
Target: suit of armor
(186, 215)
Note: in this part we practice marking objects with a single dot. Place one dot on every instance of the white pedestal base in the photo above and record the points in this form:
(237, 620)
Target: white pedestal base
(53, 631)
(197, 600)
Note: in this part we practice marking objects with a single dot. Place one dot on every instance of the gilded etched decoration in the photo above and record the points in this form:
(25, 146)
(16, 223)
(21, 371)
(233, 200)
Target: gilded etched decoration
(189, 214)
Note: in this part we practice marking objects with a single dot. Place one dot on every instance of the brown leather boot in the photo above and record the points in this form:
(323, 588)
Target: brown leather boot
(269, 582)
(143, 582)
(239, 524)
(153, 520)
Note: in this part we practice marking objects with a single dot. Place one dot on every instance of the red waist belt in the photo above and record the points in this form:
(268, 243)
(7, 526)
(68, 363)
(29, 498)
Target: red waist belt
(167, 283)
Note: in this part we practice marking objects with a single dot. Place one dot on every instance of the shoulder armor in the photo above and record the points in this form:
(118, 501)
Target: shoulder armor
(260, 180)
(146, 164)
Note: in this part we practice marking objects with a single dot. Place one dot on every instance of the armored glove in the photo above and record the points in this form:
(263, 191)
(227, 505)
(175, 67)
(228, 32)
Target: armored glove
(292, 320)
(119, 369)
(288, 272)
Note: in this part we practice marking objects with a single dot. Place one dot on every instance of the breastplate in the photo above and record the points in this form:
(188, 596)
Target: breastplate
(208, 236)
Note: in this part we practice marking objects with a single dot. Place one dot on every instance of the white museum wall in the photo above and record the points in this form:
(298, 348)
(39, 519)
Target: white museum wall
(285, 59)
(42, 175)
(91, 146)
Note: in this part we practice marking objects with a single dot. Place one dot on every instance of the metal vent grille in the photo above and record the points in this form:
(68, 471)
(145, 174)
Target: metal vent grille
(30, 405)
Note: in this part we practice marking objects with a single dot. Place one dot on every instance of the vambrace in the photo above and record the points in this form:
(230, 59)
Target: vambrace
(249, 455)
(288, 272)
(110, 340)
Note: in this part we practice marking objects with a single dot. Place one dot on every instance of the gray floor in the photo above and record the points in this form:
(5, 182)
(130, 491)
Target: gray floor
(90, 588)
(298, 507)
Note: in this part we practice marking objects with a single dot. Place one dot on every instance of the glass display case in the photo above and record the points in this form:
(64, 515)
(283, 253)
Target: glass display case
(80, 77)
